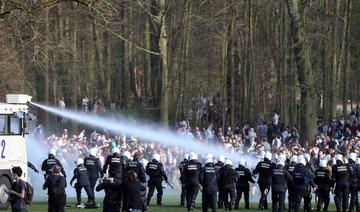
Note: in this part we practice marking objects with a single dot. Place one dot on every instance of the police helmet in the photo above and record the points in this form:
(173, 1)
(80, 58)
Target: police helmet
(339, 157)
(282, 157)
(242, 162)
(209, 155)
(323, 163)
(222, 158)
(156, 157)
(116, 150)
(126, 154)
(209, 160)
(293, 158)
(302, 161)
(281, 161)
(358, 161)
(307, 157)
(228, 162)
(93, 151)
(52, 152)
(186, 156)
(193, 156)
(79, 161)
(353, 156)
(268, 155)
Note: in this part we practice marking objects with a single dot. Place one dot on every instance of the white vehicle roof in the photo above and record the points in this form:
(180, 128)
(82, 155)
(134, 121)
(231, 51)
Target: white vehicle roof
(11, 109)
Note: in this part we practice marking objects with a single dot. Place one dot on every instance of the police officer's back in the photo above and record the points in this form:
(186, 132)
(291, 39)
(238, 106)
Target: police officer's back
(242, 184)
(181, 169)
(92, 164)
(191, 179)
(155, 170)
(279, 177)
(209, 180)
(340, 174)
(291, 191)
(113, 165)
(137, 167)
(218, 166)
(228, 183)
(50, 162)
(82, 178)
(323, 182)
(263, 168)
(56, 184)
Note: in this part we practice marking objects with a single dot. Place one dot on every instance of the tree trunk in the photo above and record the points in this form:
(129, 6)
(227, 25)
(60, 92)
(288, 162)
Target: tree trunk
(304, 72)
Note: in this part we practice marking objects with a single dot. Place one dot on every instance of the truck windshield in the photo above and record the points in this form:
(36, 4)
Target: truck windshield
(10, 125)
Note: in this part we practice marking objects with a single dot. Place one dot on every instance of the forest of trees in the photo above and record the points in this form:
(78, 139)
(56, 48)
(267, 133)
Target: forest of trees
(297, 57)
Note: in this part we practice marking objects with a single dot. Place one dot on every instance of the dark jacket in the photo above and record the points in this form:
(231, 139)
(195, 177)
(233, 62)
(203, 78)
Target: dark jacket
(191, 173)
(264, 168)
(132, 199)
(209, 178)
(138, 168)
(49, 163)
(243, 177)
(93, 166)
(56, 184)
(81, 176)
(112, 193)
(156, 171)
(279, 178)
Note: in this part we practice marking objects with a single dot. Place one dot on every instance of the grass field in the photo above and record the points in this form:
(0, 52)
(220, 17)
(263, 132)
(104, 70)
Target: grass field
(170, 204)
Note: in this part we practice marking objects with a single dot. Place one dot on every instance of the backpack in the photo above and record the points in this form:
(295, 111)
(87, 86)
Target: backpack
(29, 193)
(300, 177)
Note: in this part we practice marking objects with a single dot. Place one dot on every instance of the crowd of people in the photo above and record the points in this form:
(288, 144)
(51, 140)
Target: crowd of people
(276, 147)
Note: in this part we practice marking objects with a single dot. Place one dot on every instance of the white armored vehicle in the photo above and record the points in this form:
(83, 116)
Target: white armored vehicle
(12, 141)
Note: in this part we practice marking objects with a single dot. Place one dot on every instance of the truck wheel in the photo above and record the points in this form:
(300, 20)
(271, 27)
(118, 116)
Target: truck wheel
(4, 182)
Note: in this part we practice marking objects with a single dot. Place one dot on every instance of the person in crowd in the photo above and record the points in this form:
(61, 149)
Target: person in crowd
(133, 200)
(181, 169)
(55, 185)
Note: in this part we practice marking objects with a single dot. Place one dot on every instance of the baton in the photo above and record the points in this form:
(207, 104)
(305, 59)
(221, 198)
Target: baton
(169, 184)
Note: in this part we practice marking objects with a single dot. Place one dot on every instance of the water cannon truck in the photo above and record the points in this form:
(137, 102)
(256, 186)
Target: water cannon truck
(13, 114)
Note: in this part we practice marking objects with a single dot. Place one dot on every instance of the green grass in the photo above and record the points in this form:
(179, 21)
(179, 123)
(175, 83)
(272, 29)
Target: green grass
(170, 204)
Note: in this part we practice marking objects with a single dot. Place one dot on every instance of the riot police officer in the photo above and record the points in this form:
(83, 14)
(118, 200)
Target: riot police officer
(264, 168)
(323, 182)
(191, 179)
(354, 183)
(218, 166)
(209, 180)
(82, 181)
(340, 174)
(242, 184)
(291, 192)
(302, 182)
(50, 162)
(228, 183)
(92, 164)
(55, 184)
(137, 167)
(155, 170)
(181, 169)
(278, 179)
(113, 162)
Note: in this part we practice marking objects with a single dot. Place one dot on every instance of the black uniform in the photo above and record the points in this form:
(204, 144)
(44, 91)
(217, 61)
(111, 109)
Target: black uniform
(278, 179)
(55, 184)
(92, 164)
(291, 190)
(82, 178)
(302, 182)
(263, 168)
(138, 168)
(49, 163)
(209, 178)
(340, 174)
(242, 185)
(228, 183)
(324, 183)
(192, 184)
(308, 197)
(156, 172)
(115, 165)
(183, 191)
(218, 166)
(354, 183)
(112, 199)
